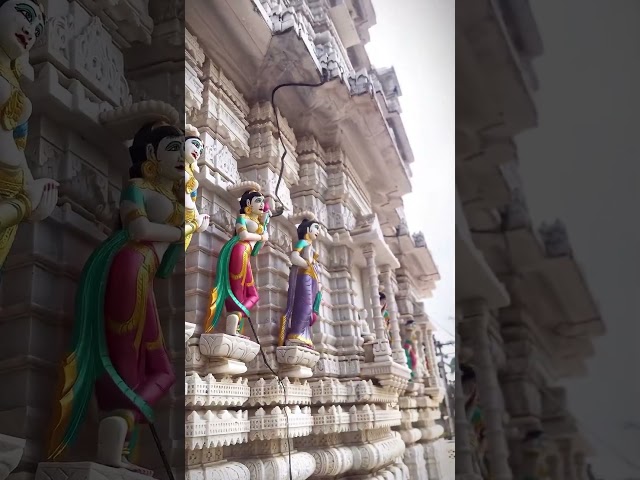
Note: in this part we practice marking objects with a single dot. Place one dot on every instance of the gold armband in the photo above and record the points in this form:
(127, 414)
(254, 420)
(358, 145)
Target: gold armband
(182, 235)
(194, 226)
(21, 143)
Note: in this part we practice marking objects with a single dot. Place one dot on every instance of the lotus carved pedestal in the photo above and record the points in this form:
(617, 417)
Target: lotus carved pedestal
(227, 354)
(296, 362)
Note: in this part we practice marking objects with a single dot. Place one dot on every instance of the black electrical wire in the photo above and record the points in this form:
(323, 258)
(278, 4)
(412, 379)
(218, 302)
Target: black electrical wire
(279, 211)
(284, 391)
(325, 75)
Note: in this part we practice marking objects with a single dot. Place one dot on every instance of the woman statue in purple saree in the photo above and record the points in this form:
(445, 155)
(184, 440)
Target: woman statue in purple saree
(303, 302)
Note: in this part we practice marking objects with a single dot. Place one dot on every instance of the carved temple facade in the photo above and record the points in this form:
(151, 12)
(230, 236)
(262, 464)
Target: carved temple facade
(360, 415)
(525, 315)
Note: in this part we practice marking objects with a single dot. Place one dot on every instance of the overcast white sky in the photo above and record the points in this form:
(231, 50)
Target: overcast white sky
(582, 164)
(417, 37)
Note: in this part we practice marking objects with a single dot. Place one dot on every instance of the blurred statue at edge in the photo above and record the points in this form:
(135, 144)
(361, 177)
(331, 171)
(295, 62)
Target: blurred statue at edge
(117, 345)
(194, 221)
(21, 197)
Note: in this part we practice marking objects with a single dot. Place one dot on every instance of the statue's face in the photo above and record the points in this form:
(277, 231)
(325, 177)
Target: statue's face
(21, 23)
(193, 150)
(257, 204)
(170, 157)
(314, 231)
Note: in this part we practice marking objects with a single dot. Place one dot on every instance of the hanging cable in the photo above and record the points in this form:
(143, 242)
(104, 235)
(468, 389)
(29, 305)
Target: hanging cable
(325, 74)
(279, 210)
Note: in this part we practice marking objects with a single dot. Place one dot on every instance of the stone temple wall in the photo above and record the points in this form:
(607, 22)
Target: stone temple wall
(358, 415)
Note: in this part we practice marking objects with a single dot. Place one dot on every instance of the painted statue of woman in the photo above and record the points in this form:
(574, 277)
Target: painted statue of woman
(385, 315)
(477, 433)
(410, 352)
(21, 197)
(303, 301)
(117, 345)
(194, 221)
(235, 286)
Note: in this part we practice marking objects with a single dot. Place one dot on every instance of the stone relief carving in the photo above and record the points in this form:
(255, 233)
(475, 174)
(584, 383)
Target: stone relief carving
(360, 83)
(403, 228)
(95, 55)
(419, 240)
(516, 214)
(166, 10)
(341, 217)
(11, 450)
(556, 239)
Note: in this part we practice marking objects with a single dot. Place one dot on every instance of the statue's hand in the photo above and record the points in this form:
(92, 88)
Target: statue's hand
(43, 194)
(203, 223)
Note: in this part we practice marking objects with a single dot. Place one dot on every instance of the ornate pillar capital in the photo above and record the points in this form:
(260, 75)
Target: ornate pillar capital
(368, 250)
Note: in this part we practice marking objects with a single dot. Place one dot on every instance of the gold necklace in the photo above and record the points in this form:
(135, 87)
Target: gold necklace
(161, 189)
(9, 74)
(192, 182)
(11, 111)
(255, 218)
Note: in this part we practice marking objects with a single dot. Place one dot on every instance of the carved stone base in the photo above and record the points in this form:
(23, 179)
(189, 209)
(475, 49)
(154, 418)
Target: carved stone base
(277, 467)
(227, 354)
(414, 388)
(414, 459)
(296, 362)
(11, 450)
(84, 471)
(390, 374)
(219, 471)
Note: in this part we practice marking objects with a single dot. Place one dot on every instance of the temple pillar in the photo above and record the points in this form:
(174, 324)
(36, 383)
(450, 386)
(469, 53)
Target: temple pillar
(342, 335)
(474, 332)
(553, 467)
(464, 453)
(421, 371)
(580, 466)
(565, 449)
(382, 349)
(390, 291)
(430, 355)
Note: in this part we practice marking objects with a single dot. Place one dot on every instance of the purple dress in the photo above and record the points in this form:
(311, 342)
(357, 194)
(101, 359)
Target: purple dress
(303, 303)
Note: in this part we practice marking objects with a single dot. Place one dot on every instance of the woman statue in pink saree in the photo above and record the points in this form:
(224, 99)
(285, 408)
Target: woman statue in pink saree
(235, 286)
(118, 347)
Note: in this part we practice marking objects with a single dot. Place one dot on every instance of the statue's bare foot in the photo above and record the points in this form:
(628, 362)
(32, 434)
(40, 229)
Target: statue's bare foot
(124, 463)
(112, 436)
(232, 324)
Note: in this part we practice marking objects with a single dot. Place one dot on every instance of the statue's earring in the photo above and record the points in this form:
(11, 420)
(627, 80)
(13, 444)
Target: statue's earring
(150, 169)
(307, 237)
(247, 210)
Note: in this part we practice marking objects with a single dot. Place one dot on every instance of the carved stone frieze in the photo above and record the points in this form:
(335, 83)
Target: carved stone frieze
(556, 239)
